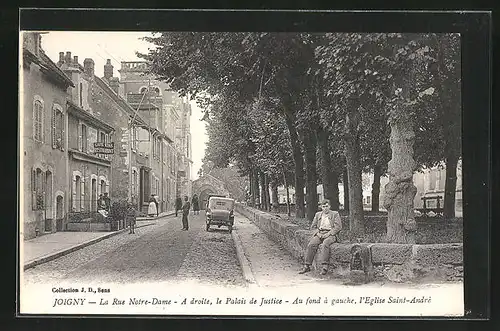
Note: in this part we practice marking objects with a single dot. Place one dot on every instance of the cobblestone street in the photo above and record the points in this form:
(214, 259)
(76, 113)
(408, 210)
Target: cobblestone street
(161, 252)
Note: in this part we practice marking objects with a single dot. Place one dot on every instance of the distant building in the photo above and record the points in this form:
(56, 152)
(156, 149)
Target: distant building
(429, 182)
(44, 154)
(171, 115)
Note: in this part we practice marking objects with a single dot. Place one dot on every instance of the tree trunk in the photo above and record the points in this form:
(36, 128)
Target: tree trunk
(266, 191)
(274, 195)
(252, 189)
(329, 178)
(263, 199)
(400, 191)
(309, 141)
(256, 188)
(285, 181)
(353, 159)
(450, 186)
(299, 165)
(345, 183)
(377, 172)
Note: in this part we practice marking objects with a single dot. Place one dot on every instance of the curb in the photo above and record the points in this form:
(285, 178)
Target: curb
(138, 219)
(242, 258)
(63, 252)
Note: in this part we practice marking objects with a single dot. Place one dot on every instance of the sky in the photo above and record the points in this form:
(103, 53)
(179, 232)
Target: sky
(118, 46)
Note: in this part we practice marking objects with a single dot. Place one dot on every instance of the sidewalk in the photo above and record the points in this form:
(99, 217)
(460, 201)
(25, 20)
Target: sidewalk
(51, 246)
(265, 263)
(164, 214)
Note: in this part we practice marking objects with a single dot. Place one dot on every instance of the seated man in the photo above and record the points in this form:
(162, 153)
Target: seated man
(328, 224)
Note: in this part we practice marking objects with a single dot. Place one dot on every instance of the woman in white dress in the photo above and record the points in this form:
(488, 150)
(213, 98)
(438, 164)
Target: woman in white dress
(152, 210)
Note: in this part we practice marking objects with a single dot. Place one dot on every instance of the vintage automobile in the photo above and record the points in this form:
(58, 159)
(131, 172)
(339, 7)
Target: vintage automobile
(220, 211)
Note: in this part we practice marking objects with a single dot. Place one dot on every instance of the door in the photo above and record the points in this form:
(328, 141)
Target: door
(94, 195)
(59, 213)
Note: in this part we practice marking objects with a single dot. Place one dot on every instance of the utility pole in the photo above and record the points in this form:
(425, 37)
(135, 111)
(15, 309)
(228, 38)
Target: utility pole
(131, 130)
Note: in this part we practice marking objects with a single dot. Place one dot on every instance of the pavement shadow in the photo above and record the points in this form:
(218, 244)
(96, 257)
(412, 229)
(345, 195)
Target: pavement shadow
(219, 230)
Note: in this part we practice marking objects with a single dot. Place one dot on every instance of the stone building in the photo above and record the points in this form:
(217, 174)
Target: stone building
(130, 173)
(44, 89)
(430, 182)
(170, 115)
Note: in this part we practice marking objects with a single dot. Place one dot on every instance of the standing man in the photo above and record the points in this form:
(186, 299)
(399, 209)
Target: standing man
(185, 213)
(178, 205)
(328, 224)
(131, 216)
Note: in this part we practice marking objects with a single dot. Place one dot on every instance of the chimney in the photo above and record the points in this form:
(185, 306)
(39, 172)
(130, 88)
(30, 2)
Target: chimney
(108, 70)
(75, 60)
(88, 67)
(114, 83)
(68, 58)
(61, 58)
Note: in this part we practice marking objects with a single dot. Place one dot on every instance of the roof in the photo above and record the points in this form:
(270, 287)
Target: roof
(48, 67)
(85, 115)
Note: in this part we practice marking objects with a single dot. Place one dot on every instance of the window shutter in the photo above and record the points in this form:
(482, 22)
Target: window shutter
(63, 131)
(54, 129)
(73, 195)
(33, 189)
(80, 141)
(35, 116)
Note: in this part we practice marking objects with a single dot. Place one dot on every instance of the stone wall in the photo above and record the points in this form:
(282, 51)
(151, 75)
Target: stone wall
(394, 262)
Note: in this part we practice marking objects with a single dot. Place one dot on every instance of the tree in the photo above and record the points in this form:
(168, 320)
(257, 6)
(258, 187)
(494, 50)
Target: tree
(448, 79)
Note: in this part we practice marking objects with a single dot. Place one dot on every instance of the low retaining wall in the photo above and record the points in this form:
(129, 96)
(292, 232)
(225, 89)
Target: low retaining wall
(395, 262)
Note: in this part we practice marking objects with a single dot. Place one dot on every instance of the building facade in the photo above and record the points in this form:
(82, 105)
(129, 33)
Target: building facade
(44, 90)
(136, 166)
(170, 115)
(69, 114)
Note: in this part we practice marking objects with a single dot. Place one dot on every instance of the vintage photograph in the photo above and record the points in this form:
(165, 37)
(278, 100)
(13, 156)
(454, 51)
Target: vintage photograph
(240, 173)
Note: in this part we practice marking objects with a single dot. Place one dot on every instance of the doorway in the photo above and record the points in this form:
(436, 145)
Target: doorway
(59, 213)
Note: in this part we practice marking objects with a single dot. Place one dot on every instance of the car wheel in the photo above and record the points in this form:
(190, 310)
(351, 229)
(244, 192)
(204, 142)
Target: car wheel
(208, 226)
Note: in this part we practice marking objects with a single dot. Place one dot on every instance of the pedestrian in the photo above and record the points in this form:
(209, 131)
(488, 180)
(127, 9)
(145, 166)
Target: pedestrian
(152, 209)
(101, 204)
(157, 202)
(178, 205)
(107, 201)
(328, 224)
(132, 217)
(196, 205)
(185, 213)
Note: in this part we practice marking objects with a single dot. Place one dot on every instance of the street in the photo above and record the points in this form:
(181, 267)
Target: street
(161, 252)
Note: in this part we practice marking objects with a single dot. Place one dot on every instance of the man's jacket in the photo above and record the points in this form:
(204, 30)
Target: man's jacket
(185, 208)
(333, 217)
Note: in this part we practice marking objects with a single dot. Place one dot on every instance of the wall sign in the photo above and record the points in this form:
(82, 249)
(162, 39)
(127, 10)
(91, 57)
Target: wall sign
(104, 148)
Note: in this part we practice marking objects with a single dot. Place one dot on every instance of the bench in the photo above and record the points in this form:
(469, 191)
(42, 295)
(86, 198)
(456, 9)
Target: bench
(438, 209)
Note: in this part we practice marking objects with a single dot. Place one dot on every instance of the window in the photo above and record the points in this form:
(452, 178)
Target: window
(102, 137)
(78, 193)
(84, 137)
(432, 180)
(368, 199)
(143, 90)
(57, 128)
(38, 119)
